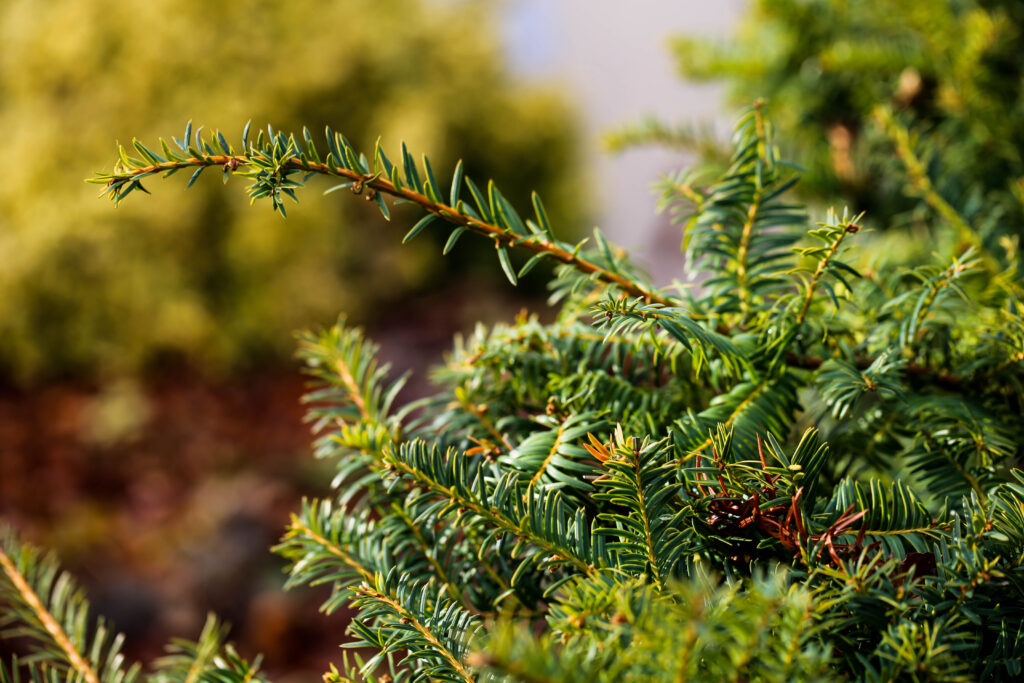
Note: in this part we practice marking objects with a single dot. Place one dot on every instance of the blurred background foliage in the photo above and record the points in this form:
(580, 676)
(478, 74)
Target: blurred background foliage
(86, 291)
(950, 73)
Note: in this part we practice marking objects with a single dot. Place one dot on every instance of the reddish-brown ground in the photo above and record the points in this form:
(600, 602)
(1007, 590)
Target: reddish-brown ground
(164, 498)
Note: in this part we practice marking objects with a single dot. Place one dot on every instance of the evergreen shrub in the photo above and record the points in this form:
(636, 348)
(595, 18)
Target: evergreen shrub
(799, 466)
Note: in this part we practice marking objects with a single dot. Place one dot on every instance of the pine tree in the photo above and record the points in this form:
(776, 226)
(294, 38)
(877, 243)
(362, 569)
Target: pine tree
(799, 468)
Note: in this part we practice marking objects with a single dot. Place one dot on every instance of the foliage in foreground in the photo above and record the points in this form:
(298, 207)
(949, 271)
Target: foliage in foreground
(802, 470)
(44, 606)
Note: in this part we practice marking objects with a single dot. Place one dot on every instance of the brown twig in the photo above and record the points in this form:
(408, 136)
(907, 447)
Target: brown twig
(448, 213)
(78, 662)
(409, 618)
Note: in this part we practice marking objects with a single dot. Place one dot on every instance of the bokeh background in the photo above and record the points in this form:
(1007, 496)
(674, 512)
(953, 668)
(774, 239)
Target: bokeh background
(150, 425)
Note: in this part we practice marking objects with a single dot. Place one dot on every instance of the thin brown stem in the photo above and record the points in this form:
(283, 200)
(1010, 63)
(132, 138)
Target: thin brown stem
(537, 245)
(370, 580)
(547, 460)
(648, 536)
(78, 662)
(332, 548)
(353, 388)
(492, 516)
(748, 225)
(741, 256)
(820, 270)
(410, 618)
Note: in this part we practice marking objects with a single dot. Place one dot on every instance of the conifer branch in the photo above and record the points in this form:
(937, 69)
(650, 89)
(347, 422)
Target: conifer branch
(43, 604)
(46, 620)
(652, 131)
(747, 231)
(298, 528)
(646, 522)
(428, 552)
(207, 660)
(128, 178)
(552, 452)
(353, 389)
(508, 524)
(370, 590)
(834, 234)
(918, 174)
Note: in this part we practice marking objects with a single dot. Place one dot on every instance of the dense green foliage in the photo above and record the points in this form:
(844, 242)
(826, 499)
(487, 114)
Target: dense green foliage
(801, 470)
(897, 107)
(88, 291)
